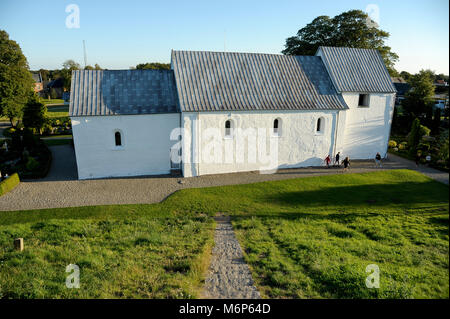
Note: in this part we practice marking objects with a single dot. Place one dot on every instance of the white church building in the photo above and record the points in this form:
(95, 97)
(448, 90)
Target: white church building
(221, 112)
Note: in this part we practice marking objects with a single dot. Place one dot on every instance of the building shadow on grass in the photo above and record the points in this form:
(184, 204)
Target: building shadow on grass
(431, 192)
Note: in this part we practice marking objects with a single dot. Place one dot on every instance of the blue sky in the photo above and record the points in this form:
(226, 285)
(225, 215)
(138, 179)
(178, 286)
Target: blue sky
(120, 34)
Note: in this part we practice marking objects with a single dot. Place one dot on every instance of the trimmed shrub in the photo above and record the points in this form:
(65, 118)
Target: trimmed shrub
(8, 184)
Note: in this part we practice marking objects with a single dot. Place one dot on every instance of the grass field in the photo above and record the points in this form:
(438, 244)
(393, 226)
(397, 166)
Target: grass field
(132, 251)
(58, 111)
(51, 101)
(303, 238)
(52, 111)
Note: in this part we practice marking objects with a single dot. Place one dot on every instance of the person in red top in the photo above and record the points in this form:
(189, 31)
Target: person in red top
(328, 161)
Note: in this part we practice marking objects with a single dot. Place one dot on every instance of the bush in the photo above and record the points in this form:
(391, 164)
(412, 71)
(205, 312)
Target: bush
(43, 156)
(416, 134)
(9, 183)
(32, 164)
(392, 144)
(402, 146)
(34, 114)
(424, 131)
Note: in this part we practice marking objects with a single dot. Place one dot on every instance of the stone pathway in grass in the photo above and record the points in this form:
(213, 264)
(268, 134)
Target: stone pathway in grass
(229, 276)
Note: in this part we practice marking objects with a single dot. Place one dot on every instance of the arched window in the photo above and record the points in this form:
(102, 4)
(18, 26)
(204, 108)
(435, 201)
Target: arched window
(118, 138)
(320, 125)
(277, 127)
(227, 128)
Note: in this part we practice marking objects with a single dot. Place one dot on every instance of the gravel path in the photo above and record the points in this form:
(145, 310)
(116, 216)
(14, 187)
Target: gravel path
(229, 276)
(62, 189)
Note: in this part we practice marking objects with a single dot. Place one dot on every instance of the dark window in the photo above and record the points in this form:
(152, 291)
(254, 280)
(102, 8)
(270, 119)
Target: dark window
(319, 125)
(275, 126)
(118, 138)
(363, 100)
(228, 128)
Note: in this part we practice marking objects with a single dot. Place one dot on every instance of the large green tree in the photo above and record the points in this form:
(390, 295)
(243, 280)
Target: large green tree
(353, 28)
(419, 100)
(16, 81)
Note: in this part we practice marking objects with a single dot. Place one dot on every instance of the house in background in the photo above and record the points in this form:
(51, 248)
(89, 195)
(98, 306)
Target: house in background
(55, 88)
(441, 83)
(341, 99)
(402, 88)
(38, 83)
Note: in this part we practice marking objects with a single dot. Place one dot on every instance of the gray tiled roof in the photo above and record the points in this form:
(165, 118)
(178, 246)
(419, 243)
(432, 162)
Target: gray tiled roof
(121, 92)
(357, 70)
(219, 81)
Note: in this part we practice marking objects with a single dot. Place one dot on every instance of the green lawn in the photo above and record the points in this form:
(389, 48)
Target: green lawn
(58, 111)
(52, 111)
(132, 251)
(303, 238)
(52, 101)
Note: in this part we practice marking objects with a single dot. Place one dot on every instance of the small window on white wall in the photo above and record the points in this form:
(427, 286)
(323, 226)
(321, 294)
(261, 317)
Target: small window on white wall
(363, 100)
(228, 129)
(320, 125)
(277, 127)
(118, 139)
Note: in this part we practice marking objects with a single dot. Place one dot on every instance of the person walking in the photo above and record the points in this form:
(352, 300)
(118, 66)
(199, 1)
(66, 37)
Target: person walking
(378, 160)
(346, 163)
(336, 159)
(327, 160)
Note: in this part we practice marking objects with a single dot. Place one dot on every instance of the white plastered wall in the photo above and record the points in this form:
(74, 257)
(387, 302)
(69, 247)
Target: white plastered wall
(365, 129)
(145, 138)
(299, 145)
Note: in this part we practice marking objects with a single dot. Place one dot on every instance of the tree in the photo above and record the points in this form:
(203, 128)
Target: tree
(95, 67)
(437, 121)
(414, 137)
(45, 74)
(353, 28)
(405, 75)
(66, 72)
(419, 99)
(71, 65)
(153, 66)
(34, 114)
(16, 82)
(417, 132)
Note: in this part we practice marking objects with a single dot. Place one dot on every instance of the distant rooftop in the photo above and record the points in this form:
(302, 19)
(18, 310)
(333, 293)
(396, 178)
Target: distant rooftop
(37, 78)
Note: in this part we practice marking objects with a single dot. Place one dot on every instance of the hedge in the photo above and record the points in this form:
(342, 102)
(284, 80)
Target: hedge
(9, 183)
(44, 166)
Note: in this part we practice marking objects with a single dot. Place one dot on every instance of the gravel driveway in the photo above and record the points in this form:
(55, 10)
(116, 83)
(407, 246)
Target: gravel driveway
(62, 189)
